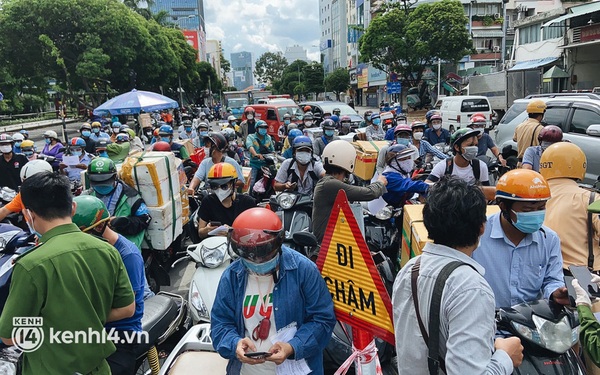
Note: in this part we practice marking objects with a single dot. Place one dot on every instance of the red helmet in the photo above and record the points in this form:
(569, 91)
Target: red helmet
(307, 108)
(249, 109)
(161, 146)
(256, 234)
(435, 117)
(478, 114)
(551, 134)
(480, 120)
(403, 128)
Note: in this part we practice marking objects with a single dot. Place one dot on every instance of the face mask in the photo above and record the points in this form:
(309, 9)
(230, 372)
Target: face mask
(545, 145)
(329, 133)
(223, 194)
(48, 141)
(261, 268)
(232, 124)
(308, 123)
(188, 128)
(377, 121)
(203, 133)
(470, 152)
(86, 133)
(76, 153)
(30, 226)
(96, 130)
(303, 157)
(403, 141)
(103, 189)
(18, 144)
(529, 222)
(406, 165)
(262, 131)
(6, 149)
(287, 122)
(418, 136)
(103, 154)
(165, 139)
(437, 127)
(116, 130)
(148, 134)
(249, 117)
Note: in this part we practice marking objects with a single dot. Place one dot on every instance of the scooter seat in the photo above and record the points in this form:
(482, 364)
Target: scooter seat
(188, 363)
(159, 312)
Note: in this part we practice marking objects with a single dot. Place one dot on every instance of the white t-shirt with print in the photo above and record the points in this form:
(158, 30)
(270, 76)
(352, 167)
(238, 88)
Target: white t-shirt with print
(464, 173)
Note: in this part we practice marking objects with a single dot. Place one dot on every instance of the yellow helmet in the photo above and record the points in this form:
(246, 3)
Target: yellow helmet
(536, 106)
(27, 144)
(563, 160)
(221, 173)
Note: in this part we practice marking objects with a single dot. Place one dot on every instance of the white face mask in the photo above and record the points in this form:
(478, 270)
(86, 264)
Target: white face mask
(250, 117)
(6, 149)
(406, 165)
(303, 157)
(418, 136)
(222, 194)
(437, 126)
(308, 123)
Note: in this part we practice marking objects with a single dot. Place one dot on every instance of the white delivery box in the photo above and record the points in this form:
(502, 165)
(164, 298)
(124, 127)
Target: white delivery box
(161, 239)
(162, 216)
(154, 175)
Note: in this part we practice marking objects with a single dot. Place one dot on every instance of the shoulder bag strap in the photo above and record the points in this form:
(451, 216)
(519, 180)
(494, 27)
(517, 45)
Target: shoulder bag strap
(590, 229)
(414, 275)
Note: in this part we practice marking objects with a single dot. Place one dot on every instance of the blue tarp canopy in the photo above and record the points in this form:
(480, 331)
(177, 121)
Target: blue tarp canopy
(533, 64)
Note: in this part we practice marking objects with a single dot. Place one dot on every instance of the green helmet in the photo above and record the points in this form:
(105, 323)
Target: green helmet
(90, 212)
(102, 169)
(461, 134)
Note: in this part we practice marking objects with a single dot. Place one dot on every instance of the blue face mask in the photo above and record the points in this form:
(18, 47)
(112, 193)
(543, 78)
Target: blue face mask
(166, 139)
(31, 228)
(96, 130)
(287, 122)
(18, 144)
(103, 189)
(76, 153)
(262, 131)
(48, 140)
(529, 222)
(261, 268)
(403, 141)
(188, 128)
(103, 154)
(203, 133)
(86, 133)
(377, 121)
(329, 133)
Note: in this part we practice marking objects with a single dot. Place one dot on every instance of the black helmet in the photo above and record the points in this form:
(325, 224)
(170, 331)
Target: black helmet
(218, 139)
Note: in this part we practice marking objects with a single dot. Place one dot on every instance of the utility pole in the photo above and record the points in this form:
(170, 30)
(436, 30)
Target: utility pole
(180, 92)
(439, 78)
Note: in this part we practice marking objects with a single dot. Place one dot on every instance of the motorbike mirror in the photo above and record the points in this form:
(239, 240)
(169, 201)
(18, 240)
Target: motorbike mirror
(62, 149)
(305, 239)
(191, 251)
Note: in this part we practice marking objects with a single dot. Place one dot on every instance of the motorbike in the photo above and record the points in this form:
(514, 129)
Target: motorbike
(16, 218)
(295, 211)
(164, 315)
(382, 234)
(548, 332)
(263, 188)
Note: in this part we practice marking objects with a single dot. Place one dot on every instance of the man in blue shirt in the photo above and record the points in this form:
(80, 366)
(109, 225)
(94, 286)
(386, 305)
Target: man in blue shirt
(400, 160)
(436, 134)
(521, 256)
(92, 217)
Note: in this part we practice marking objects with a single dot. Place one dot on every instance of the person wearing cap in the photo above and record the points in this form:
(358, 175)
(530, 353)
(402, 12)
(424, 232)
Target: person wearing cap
(136, 144)
(484, 141)
(301, 172)
(53, 147)
(186, 130)
(521, 256)
(272, 290)
(97, 132)
(258, 144)
(426, 150)
(86, 134)
(527, 132)
(119, 150)
(375, 131)
(76, 148)
(10, 163)
(101, 146)
(28, 149)
(18, 138)
(549, 135)
(436, 134)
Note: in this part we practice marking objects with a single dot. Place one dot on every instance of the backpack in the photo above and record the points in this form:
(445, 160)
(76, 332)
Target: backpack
(295, 177)
(474, 164)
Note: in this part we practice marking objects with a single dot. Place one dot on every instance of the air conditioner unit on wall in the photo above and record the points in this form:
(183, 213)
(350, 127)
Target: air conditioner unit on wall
(497, 15)
(496, 48)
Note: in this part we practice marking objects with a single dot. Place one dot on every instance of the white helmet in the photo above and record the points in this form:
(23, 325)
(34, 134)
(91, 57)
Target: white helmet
(50, 134)
(18, 137)
(340, 154)
(33, 167)
(231, 118)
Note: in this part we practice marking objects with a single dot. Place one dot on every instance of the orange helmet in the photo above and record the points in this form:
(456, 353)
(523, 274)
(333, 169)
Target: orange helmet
(155, 132)
(523, 185)
(161, 146)
(307, 108)
(256, 234)
(221, 173)
(563, 160)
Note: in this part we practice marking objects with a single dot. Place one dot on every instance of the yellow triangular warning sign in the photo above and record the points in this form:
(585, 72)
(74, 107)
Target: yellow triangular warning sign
(359, 296)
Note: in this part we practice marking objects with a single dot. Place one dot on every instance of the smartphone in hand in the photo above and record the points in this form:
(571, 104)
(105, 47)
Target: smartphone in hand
(584, 277)
(258, 355)
(215, 224)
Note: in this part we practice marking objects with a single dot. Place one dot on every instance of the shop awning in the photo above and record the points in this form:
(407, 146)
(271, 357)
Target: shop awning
(532, 64)
(579, 10)
(487, 33)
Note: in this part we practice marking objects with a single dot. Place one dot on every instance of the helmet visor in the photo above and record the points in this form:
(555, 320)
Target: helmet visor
(256, 245)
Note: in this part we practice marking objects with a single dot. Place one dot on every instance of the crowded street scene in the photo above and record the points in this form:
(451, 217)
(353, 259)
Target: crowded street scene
(304, 187)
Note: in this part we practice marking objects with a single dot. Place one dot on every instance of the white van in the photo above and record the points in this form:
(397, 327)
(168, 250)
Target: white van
(457, 110)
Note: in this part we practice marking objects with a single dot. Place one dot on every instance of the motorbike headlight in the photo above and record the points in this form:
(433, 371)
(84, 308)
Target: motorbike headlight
(213, 257)
(384, 214)
(6, 237)
(286, 200)
(557, 337)
(198, 303)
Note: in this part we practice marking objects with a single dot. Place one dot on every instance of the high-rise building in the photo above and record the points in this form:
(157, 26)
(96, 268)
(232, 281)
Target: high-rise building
(241, 66)
(188, 15)
(294, 53)
(213, 54)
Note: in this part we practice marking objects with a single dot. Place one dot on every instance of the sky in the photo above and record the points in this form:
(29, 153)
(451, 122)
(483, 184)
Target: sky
(259, 26)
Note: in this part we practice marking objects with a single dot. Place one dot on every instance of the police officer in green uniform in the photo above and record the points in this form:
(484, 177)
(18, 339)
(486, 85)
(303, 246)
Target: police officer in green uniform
(130, 215)
(75, 283)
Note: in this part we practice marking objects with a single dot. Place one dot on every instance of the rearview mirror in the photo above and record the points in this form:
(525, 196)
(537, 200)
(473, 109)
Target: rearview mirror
(593, 130)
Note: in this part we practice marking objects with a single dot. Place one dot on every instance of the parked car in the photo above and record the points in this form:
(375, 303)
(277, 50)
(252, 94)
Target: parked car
(457, 110)
(273, 113)
(578, 117)
(320, 107)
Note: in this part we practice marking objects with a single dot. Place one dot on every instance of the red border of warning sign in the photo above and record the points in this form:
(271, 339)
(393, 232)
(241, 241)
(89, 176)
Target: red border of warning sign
(341, 203)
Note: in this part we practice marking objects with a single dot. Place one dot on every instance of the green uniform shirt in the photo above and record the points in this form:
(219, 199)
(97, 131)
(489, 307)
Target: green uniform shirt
(118, 152)
(589, 333)
(71, 280)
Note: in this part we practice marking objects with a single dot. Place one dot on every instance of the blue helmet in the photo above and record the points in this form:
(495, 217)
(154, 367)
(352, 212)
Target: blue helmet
(24, 132)
(294, 133)
(374, 116)
(335, 118)
(302, 141)
(431, 113)
(399, 152)
(165, 130)
(116, 124)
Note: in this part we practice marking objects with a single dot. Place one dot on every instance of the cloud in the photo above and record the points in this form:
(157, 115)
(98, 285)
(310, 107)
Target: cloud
(259, 26)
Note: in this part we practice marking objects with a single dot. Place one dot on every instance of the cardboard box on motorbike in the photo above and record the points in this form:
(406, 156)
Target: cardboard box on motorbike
(187, 143)
(366, 158)
(414, 233)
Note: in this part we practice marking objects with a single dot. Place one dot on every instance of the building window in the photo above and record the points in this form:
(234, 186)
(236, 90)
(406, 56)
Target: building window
(555, 30)
(529, 34)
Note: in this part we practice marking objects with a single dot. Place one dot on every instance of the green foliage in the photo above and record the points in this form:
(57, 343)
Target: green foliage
(487, 20)
(405, 43)
(313, 78)
(338, 81)
(269, 66)
(291, 76)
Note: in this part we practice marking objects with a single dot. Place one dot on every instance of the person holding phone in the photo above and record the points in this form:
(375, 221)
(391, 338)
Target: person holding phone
(223, 205)
(273, 303)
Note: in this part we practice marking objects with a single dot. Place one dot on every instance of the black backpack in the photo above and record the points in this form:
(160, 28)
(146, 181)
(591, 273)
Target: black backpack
(474, 164)
(295, 177)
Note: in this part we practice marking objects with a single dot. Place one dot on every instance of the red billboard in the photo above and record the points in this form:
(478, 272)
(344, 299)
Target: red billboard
(191, 37)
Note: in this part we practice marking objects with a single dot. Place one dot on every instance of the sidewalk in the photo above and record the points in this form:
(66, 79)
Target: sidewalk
(35, 125)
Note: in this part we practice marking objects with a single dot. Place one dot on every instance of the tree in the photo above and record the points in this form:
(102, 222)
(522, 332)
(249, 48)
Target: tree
(291, 77)
(313, 78)
(338, 82)
(406, 43)
(269, 66)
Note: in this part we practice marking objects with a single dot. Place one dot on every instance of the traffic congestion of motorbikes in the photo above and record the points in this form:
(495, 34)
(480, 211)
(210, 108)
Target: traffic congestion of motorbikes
(410, 146)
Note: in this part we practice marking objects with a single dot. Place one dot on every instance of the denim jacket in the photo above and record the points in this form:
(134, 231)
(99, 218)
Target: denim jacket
(300, 296)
